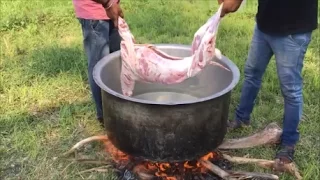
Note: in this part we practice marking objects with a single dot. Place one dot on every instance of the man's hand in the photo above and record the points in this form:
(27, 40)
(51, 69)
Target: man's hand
(113, 12)
(229, 6)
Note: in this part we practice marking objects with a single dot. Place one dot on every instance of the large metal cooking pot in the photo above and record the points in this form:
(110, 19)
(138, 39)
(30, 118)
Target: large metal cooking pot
(167, 122)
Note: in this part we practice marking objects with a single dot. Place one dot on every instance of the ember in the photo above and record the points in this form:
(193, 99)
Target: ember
(130, 168)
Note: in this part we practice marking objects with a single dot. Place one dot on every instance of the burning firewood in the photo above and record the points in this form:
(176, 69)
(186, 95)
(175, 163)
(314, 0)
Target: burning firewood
(215, 169)
(269, 135)
(289, 168)
(142, 172)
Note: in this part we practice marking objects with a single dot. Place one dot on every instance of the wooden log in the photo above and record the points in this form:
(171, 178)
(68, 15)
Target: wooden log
(232, 175)
(252, 175)
(269, 164)
(91, 161)
(216, 170)
(269, 135)
(97, 169)
(142, 172)
(103, 138)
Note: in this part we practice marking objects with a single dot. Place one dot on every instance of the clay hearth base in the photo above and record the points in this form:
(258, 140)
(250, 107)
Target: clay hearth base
(269, 135)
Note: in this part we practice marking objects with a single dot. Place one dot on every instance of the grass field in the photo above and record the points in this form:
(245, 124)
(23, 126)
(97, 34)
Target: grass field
(45, 104)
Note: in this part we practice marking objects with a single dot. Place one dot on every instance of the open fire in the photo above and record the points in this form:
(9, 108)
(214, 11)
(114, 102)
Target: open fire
(130, 168)
(213, 166)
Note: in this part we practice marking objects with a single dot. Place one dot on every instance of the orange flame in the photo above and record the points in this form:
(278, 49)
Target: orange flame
(158, 169)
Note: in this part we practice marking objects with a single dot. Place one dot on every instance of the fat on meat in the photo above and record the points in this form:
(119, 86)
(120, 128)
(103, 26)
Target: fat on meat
(147, 63)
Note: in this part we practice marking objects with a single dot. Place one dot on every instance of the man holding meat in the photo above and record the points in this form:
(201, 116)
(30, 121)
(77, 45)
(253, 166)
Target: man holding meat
(99, 22)
(283, 28)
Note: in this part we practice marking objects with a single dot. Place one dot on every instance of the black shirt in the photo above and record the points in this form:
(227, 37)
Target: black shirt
(284, 17)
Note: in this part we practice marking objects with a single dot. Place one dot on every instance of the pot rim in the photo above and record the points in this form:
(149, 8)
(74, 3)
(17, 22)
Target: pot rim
(98, 67)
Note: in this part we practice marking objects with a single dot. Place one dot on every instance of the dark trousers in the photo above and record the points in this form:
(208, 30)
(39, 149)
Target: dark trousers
(99, 39)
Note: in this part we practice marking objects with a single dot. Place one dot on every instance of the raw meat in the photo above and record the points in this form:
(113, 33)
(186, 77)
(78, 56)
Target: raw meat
(144, 62)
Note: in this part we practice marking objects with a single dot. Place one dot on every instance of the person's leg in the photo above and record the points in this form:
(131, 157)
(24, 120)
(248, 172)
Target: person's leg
(96, 44)
(115, 39)
(290, 52)
(259, 56)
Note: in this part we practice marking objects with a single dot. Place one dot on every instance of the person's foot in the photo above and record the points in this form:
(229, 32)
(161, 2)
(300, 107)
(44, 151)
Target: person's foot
(284, 155)
(236, 124)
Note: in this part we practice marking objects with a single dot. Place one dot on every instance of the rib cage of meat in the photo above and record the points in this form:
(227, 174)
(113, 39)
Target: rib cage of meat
(144, 62)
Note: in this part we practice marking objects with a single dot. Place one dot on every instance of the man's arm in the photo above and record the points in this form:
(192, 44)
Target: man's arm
(104, 3)
(112, 8)
(229, 6)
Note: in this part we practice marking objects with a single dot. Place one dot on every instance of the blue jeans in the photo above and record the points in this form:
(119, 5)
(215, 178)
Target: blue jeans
(99, 38)
(289, 53)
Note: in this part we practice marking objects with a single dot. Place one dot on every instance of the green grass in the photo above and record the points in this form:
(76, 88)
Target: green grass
(45, 104)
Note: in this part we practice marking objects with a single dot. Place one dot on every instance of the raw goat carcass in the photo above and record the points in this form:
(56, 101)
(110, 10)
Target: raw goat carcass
(144, 62)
